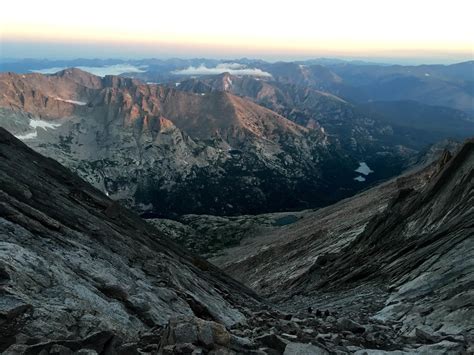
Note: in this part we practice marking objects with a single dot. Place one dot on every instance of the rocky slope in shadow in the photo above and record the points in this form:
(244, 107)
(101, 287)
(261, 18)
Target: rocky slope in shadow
(80, 274)
(400, 252)
(73, 262)
(211, 236)
(422, 246)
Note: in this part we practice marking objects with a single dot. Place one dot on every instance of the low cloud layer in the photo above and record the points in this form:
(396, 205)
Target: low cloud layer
(99, 71)
(232, 68)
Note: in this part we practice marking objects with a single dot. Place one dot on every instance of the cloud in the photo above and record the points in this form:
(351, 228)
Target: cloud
(116, 69)
(232, 68)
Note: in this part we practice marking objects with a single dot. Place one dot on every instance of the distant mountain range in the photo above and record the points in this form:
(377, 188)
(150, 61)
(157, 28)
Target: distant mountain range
(440, 85)
(269, 137)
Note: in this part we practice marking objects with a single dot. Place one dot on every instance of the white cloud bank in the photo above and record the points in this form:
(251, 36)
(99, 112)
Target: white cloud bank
(116, 69)
(232, 68)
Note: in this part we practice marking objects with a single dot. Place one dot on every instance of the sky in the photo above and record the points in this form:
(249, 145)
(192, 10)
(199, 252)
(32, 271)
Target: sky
(429, 30)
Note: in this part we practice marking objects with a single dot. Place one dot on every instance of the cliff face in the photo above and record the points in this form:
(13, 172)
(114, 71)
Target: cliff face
(422, 246)
(355, 131)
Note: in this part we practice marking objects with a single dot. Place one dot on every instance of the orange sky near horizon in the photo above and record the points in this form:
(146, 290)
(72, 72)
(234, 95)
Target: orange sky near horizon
(338, 27)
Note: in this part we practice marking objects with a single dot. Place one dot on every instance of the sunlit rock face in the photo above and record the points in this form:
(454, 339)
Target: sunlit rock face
(168, 152)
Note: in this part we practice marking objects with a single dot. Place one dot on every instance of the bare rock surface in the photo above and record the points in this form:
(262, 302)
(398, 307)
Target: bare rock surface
(73, 261)
(79, 274)
(400, 253)
(309, 241)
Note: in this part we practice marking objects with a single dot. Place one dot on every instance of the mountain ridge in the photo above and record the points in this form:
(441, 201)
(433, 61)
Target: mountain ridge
(150, 146)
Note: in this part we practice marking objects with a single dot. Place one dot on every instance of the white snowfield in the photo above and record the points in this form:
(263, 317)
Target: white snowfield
(36, 123)
(26, 136)
(227, 84)
(80, 103)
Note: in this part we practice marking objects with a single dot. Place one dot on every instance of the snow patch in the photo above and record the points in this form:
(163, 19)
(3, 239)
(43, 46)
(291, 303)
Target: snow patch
(43, 124)
(360, 178)
(35, 124)
(26, 136)
(80, 103)
(228, 83)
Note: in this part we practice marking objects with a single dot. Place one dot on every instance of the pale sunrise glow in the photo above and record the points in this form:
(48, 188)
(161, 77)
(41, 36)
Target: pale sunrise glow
(340, 27)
